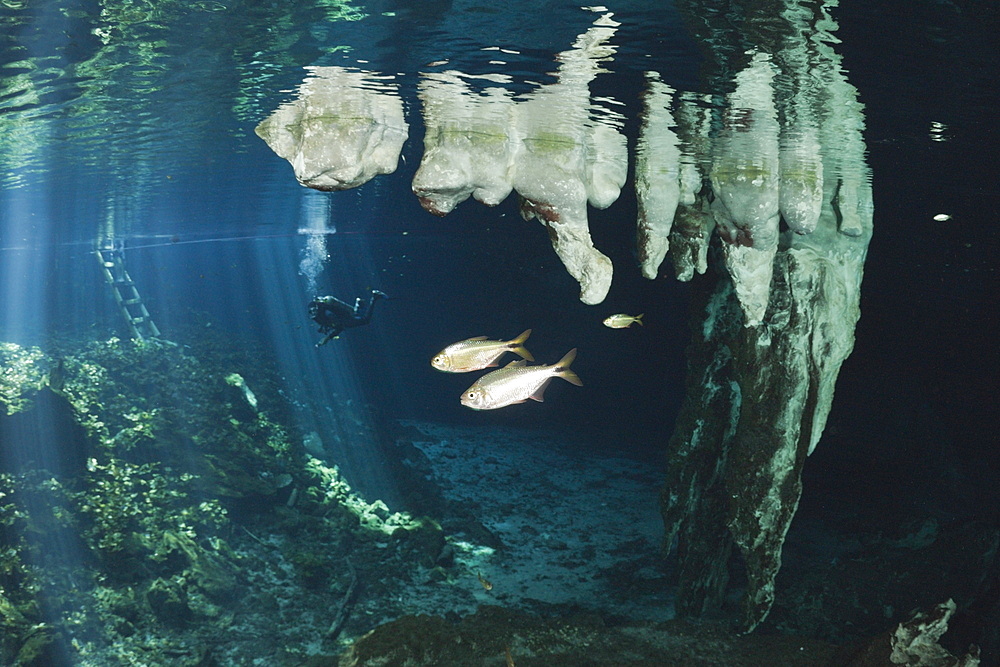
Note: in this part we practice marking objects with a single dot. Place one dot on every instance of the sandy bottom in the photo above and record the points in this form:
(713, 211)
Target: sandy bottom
(563, 527)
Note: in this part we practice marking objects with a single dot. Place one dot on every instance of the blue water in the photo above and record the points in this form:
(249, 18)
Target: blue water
(209, 216)
(137, 125)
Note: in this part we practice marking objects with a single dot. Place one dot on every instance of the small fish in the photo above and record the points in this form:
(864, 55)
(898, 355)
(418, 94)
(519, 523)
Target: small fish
(622, 321)
(510, 658)
(484, 582)
(473, 354)
(516, 383)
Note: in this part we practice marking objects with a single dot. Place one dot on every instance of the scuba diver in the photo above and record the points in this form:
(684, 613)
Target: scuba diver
(333, 315)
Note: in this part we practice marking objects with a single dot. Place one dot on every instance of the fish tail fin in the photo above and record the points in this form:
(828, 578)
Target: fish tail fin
(518, 348)
(563, 371)
(638, 319)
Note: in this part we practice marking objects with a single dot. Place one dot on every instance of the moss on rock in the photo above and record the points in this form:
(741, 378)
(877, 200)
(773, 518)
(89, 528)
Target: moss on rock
(188, 504)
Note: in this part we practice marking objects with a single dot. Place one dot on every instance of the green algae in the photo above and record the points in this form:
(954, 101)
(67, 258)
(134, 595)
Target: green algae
(143, 547)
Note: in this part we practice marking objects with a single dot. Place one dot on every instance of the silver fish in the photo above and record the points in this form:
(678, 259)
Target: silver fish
(473, 354)
(622, 321)
(516, 383)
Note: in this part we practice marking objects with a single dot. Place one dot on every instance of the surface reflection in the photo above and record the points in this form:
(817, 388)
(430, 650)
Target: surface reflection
(554, 146)
(121, 83)
(764, 162)
(344, 128)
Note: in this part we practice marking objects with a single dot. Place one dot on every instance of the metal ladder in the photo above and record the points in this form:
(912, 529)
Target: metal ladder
(127, 297)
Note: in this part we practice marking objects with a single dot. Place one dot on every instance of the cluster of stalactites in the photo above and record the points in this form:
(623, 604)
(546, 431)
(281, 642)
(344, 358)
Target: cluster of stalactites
(766, 164)
(772, 161)
(549, 146)
(738, 168)
(785, 185)
(558, 150)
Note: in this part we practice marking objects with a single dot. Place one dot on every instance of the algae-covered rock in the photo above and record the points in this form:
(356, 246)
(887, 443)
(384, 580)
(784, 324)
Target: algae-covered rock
(10, 615)
(102, 485)
(41, 648)
(168, 601)
(497, 636)
(187, 509)
(23, 372)
(31, 412)
(236, 380)
(421, 538)
(59, 444)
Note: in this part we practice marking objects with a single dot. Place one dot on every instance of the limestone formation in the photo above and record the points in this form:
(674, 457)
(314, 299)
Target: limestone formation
(344, 128)
(747, 184)
(548, 146)
(657, 177)
(778, 320)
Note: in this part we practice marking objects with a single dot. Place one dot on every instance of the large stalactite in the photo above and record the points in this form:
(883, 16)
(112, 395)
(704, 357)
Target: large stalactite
(554, 147)
(775, 319)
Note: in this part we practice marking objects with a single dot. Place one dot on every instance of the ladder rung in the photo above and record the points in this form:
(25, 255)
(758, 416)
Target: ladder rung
(125, 293)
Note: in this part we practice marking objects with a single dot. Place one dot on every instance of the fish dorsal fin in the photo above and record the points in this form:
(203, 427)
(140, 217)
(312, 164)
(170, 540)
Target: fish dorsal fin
(518, 362)
(477, 338)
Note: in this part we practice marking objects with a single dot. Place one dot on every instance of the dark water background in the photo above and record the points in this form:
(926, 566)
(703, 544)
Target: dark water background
(916, 400)
(161, 130)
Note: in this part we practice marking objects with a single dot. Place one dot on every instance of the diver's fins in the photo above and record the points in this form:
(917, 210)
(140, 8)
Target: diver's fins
(326, 339)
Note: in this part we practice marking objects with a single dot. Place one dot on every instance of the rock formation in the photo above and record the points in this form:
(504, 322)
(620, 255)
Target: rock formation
(773, 329)
(549, 146)
(776, 165)
(345, 127)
